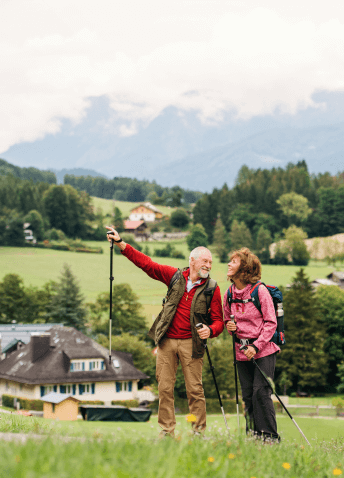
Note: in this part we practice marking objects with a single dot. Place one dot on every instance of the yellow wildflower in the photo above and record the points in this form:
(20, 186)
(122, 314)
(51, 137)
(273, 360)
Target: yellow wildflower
(231, 456)
(337, 472)
(191, 418)
(211, 459)
(286, 466)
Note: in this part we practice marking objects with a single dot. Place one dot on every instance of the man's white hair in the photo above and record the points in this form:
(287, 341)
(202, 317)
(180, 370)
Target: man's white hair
(195, 253)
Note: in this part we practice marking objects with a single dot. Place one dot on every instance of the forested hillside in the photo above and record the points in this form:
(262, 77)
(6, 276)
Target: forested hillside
(257, 207)
(33, 174)
(128, 189)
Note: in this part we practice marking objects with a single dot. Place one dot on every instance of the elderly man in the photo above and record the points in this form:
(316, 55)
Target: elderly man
(174, 329)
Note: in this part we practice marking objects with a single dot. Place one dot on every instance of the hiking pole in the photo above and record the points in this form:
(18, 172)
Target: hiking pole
(111, 280)
(235, 376)
(271, 384)
(200, 326)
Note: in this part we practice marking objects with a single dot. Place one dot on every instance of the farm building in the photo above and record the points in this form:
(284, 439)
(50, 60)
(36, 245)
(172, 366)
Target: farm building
(64, 360)
(137, 228)
(145, 211)
(337, 277)
(60, 406)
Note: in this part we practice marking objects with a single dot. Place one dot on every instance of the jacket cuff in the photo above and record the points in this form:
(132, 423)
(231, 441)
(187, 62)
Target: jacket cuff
(255, 347)
(211, 331)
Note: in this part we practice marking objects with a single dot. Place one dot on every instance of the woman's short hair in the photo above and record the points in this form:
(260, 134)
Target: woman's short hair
(250, 270)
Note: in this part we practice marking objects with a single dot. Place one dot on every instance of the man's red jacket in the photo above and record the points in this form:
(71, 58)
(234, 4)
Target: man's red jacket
(180, 327)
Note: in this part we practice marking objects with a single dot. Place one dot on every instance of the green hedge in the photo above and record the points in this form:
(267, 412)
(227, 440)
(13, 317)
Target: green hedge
(126, 403)
(212, 404)
(25, 403)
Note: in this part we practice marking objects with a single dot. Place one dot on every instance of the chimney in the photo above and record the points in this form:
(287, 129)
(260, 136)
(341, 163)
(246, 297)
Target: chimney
(40, 344)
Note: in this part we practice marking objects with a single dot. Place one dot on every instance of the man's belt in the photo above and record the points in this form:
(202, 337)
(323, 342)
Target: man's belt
(244, 341)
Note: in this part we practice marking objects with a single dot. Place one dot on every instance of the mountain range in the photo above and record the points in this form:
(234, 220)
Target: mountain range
(177, 147)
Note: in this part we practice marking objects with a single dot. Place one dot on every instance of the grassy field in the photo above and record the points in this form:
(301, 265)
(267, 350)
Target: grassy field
(106, 205)
(38, 266)
(132, 450)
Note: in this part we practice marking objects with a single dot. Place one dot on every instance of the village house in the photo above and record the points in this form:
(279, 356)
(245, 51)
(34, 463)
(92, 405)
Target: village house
(145, 211)
(64, 360)
(13, 336)
(137, 228)
(337, 277)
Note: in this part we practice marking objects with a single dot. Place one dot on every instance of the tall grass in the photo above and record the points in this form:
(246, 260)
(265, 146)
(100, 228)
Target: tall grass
(142, 455)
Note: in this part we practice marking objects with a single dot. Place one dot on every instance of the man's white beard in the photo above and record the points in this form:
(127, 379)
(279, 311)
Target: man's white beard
(203, 274)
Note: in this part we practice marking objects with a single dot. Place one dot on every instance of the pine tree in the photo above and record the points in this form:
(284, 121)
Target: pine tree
(263, 243)
(67, 303)
(197, 237)
(303, 357)
(221, 241)
(240, 236)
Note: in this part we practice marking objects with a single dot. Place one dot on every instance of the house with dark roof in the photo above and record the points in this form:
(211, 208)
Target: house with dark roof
(13, 336)
(66, 361)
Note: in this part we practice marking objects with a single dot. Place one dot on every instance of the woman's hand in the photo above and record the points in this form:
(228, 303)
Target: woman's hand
(250, 352)
(231, 326)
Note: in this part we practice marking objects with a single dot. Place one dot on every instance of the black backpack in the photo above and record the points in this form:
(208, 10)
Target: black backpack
(278, 337)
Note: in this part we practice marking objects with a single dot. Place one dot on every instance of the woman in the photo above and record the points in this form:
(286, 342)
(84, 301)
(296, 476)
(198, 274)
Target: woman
(244, 270)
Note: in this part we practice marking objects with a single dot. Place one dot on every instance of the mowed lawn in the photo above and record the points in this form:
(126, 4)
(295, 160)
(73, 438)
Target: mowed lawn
(38, 266)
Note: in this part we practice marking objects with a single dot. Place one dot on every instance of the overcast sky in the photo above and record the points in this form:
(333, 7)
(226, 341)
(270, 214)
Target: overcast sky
(208, 55)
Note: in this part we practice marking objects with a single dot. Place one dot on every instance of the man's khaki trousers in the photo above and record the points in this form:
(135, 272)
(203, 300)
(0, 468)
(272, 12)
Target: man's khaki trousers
(170, 353)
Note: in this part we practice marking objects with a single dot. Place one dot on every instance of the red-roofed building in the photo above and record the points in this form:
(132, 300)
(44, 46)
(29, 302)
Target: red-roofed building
(137, 228)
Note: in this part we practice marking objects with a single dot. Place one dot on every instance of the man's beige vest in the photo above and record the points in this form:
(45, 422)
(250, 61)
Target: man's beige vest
(198, 313)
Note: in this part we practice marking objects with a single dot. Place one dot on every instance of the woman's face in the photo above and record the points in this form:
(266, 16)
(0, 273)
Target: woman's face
(233, 267)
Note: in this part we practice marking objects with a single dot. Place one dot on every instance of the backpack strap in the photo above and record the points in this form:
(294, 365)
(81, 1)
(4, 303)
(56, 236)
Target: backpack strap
(176, 276)
(209, 292)
(255, 296)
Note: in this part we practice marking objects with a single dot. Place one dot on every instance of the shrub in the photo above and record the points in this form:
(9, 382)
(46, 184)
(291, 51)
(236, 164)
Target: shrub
(25, 403)
(126, 403)
(179, 218)
(197, 237)
(168, 251)
(338, 402)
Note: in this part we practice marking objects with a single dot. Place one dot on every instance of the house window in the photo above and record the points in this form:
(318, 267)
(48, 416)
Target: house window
(68, 388)
(71, 367)
(55, 388)
(42, 391)
(118, 387)
(102, 365)
(81, 389)
(83, 365)
(88, 388)
(93, 387)
(62, 388)
(130, 386)
(115, 363)
(74, 389)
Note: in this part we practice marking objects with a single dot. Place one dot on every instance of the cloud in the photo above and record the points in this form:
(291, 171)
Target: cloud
(211, 57)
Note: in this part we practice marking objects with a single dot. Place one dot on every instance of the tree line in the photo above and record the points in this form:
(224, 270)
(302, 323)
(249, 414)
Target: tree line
(133, 190)
(32, 174)
(264, 204)
(311, 360)
(51, 210)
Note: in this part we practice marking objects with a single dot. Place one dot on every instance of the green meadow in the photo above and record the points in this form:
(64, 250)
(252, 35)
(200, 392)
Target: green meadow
(107, 205)
(132, 450)
(38, 266)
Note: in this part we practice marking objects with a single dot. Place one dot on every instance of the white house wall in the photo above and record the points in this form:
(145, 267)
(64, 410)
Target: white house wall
(148, 217)
(104, 391)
